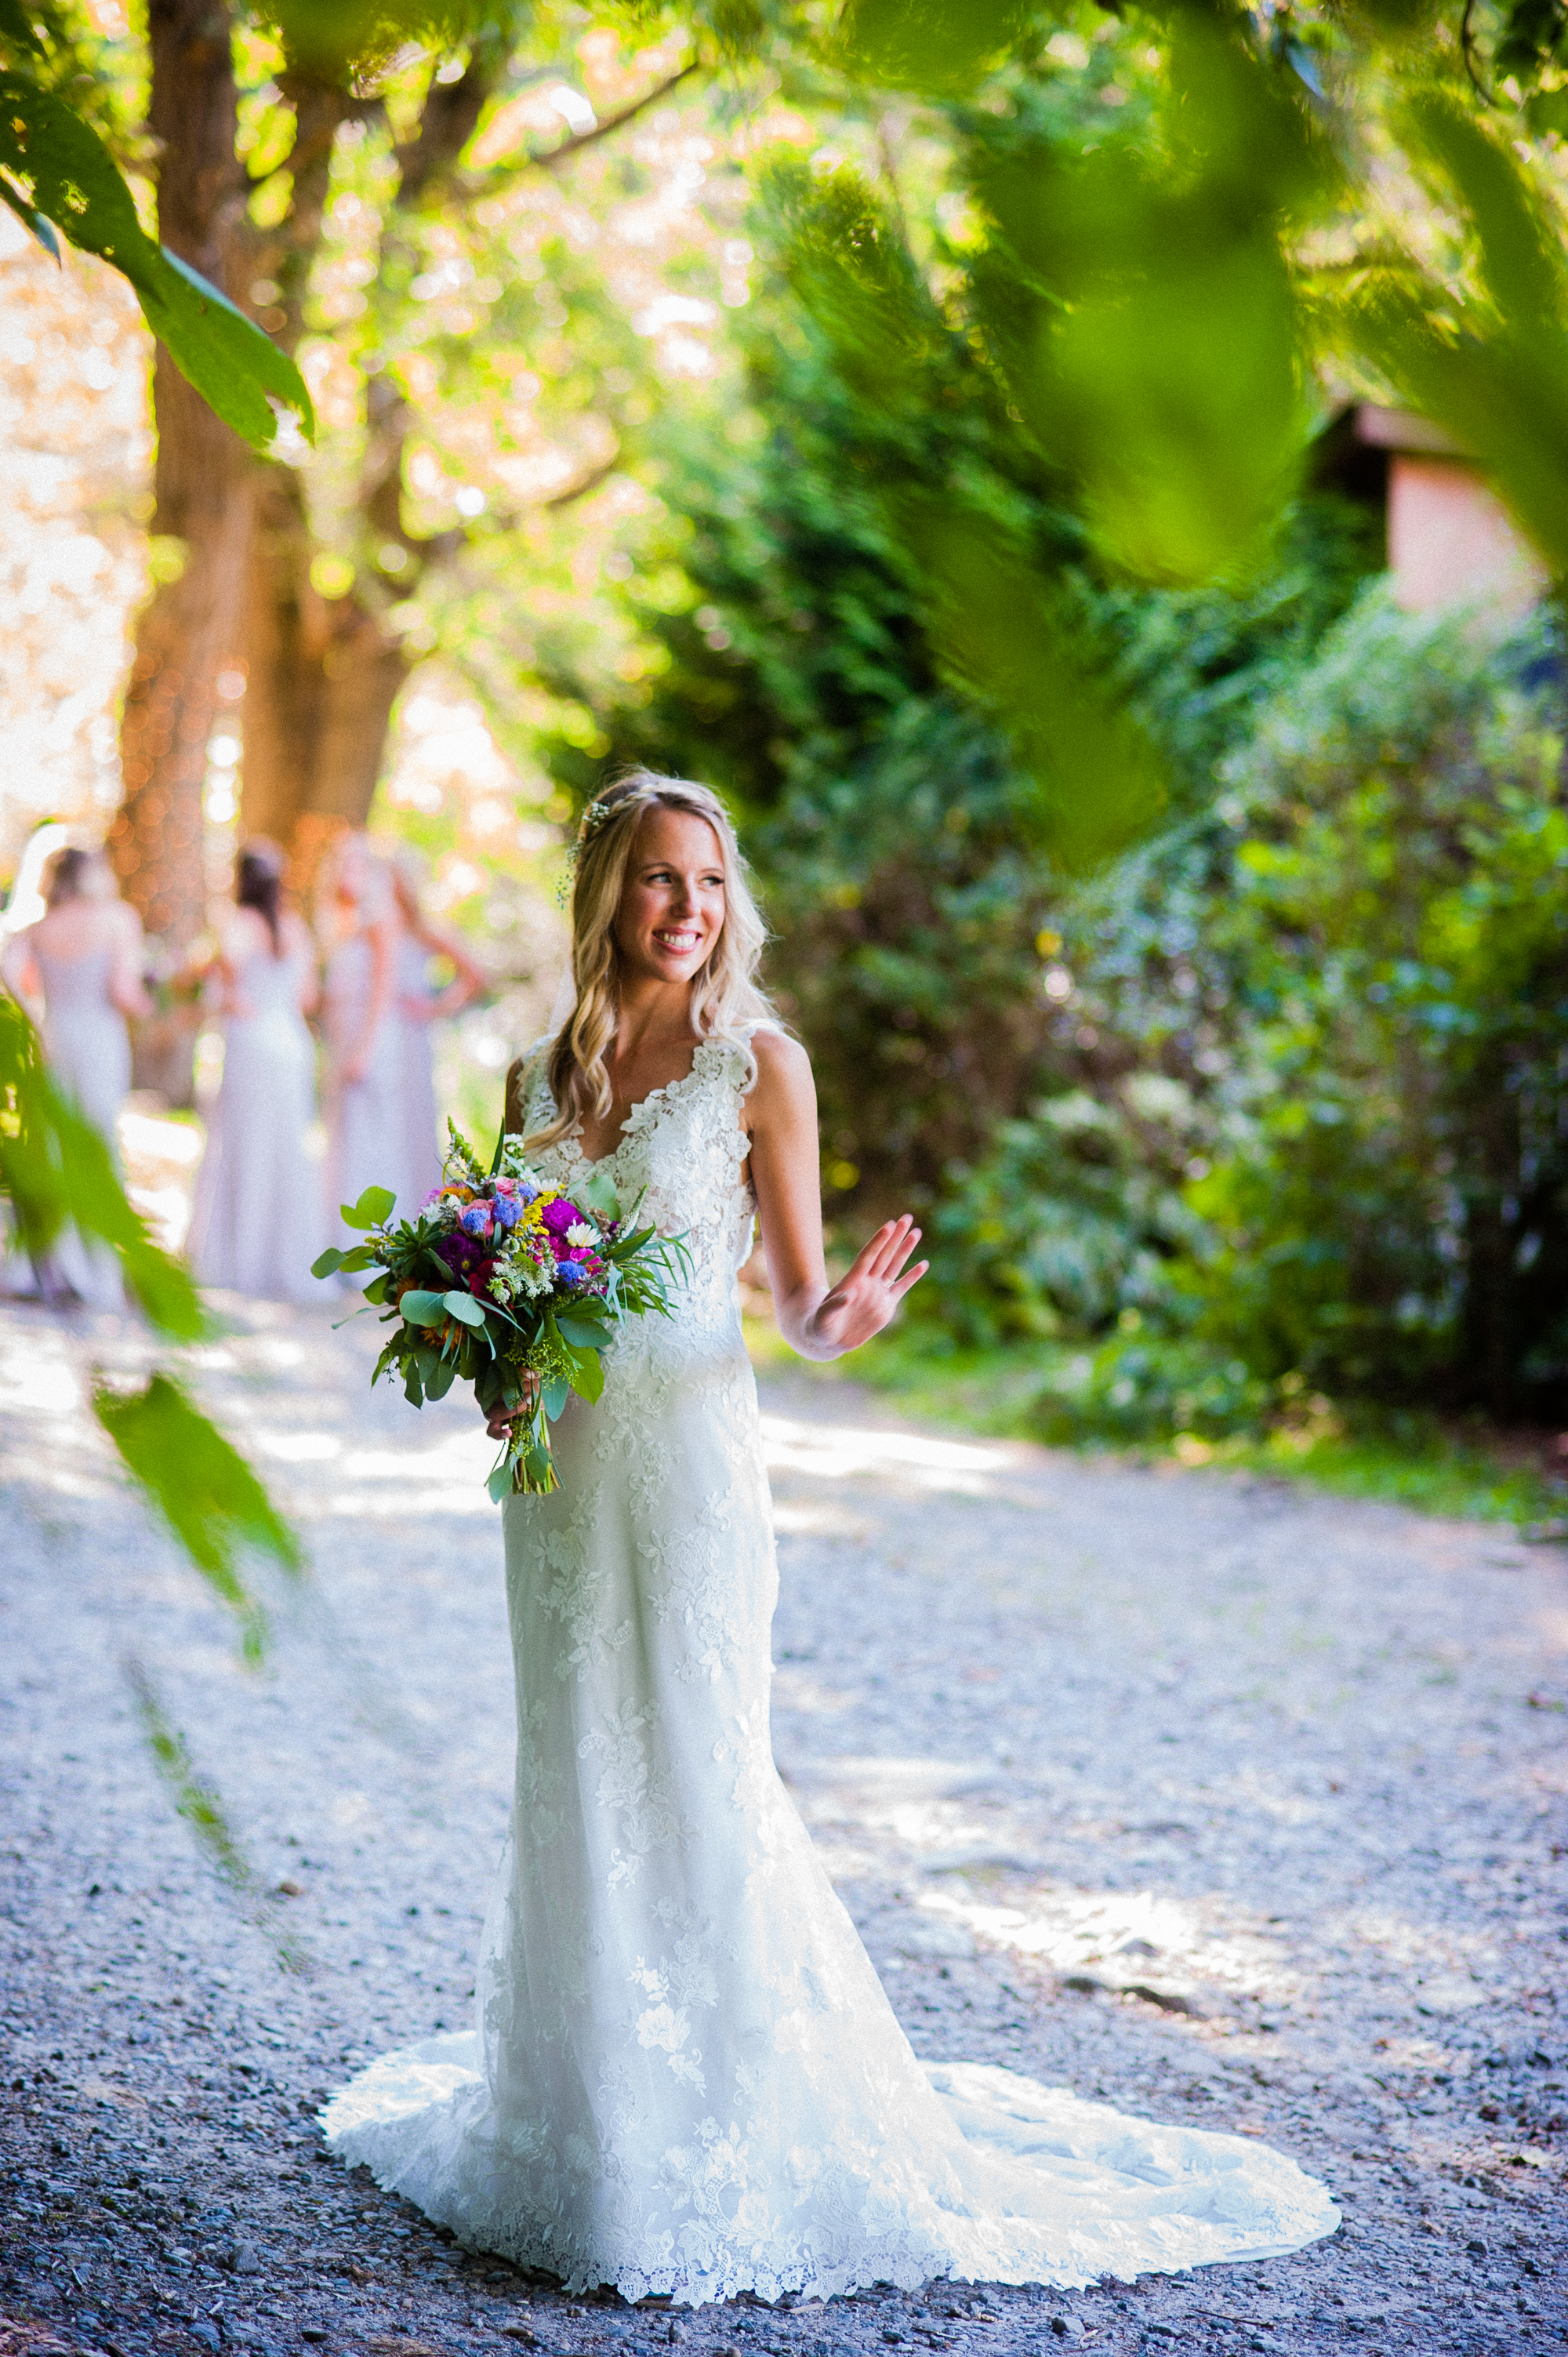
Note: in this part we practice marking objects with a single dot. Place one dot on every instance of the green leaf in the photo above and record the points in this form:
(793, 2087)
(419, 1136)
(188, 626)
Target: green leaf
(421, 1308)
(41, 227)
(62, 169)
(206, 1493)
(555, 1394)
(413, 1385)
(598, 1195)
(587, 1374)
(14, 26)
(940, 48)
(238, 371)
(376, 1291)
(1147, 326)
(464, 1308)
(326, 1263)
(499, 1483)
(55, 1167)
(590, 1333)
(336, 41)
(441, 1382)
(1096, 779)
(372, 1211)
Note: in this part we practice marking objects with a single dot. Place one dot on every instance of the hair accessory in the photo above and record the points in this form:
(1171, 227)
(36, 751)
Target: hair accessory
(593, 818)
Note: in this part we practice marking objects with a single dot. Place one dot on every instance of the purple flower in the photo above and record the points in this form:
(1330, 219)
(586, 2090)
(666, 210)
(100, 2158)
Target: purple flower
(507, 1211)
(559, 1215)
(461, 1251)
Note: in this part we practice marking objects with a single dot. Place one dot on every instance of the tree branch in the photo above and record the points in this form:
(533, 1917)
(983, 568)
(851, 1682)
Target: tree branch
(569, 148)
(447, 120)
(585, 484)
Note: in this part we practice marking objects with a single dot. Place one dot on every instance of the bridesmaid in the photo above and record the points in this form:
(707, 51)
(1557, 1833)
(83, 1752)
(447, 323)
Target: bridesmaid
(82, 961)
(257, 1223)
(364, 1043)
(419, 939)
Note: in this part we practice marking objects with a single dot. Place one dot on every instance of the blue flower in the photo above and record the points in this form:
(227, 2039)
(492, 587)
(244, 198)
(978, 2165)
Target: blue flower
(476, 1219)
(507, 1211)
(570, 1272)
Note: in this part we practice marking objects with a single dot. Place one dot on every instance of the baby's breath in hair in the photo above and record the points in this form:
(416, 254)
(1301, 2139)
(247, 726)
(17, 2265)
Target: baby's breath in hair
(593, 818)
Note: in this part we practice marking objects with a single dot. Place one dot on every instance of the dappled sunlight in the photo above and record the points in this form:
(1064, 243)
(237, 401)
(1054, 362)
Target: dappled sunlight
(36, 1379)
(837, 1452)
(1123, 1938)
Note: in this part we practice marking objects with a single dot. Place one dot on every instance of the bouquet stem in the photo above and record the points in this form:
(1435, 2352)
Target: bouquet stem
(526, 1466)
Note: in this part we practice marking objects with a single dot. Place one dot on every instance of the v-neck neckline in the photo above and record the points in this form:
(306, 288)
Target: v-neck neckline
(634, 1118)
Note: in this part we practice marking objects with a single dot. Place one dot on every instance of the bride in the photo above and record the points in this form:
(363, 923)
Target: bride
(685, 2076)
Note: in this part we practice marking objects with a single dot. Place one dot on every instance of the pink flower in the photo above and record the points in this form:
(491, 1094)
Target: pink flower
(559, 1215)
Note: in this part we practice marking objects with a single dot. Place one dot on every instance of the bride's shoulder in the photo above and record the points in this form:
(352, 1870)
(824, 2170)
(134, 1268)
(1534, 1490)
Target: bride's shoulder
(783, 1071)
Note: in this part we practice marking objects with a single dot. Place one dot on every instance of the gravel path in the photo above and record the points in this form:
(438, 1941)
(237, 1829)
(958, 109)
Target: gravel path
(1233, 1804)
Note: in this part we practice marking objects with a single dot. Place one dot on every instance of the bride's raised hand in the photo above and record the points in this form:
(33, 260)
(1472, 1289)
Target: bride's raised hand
(866, 1297)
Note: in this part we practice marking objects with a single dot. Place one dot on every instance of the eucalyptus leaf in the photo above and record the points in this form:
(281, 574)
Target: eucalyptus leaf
(585, 1331)
(423, 1308)
(373, 1208)
(464, 1308)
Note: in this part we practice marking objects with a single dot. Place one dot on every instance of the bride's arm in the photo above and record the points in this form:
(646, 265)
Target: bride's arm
(818, 1319)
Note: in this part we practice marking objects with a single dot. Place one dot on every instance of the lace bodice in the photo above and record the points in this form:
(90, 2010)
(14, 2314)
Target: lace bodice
(683, 1151)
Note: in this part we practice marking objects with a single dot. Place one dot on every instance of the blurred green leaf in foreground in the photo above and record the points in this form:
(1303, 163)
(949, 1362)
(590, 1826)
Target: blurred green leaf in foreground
(56, 173)
(55, 1168)
(1489, 361)
(207, 1494)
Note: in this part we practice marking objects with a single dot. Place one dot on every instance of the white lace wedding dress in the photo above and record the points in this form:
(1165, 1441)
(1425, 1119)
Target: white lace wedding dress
(686, 2076)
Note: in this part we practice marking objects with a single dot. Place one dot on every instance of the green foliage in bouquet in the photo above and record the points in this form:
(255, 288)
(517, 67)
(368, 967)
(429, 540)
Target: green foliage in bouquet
(513, 1286)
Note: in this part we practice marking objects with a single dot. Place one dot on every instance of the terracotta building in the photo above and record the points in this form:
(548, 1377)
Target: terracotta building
(1450, 540)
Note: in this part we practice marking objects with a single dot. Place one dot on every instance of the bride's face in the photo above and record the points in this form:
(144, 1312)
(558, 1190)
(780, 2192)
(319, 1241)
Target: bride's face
(672, 903)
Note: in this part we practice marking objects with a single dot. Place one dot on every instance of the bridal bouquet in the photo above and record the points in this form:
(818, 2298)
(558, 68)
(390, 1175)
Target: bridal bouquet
(497, 1278)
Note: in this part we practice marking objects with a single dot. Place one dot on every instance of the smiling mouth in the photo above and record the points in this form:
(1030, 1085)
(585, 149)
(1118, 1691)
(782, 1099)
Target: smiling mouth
(678, 942)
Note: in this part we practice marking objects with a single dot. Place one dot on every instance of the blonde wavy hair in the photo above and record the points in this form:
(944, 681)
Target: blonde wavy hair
(726, 996)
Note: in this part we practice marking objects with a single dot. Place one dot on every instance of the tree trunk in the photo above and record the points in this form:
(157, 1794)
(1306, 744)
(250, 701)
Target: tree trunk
(202, 487)
(322, 676)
